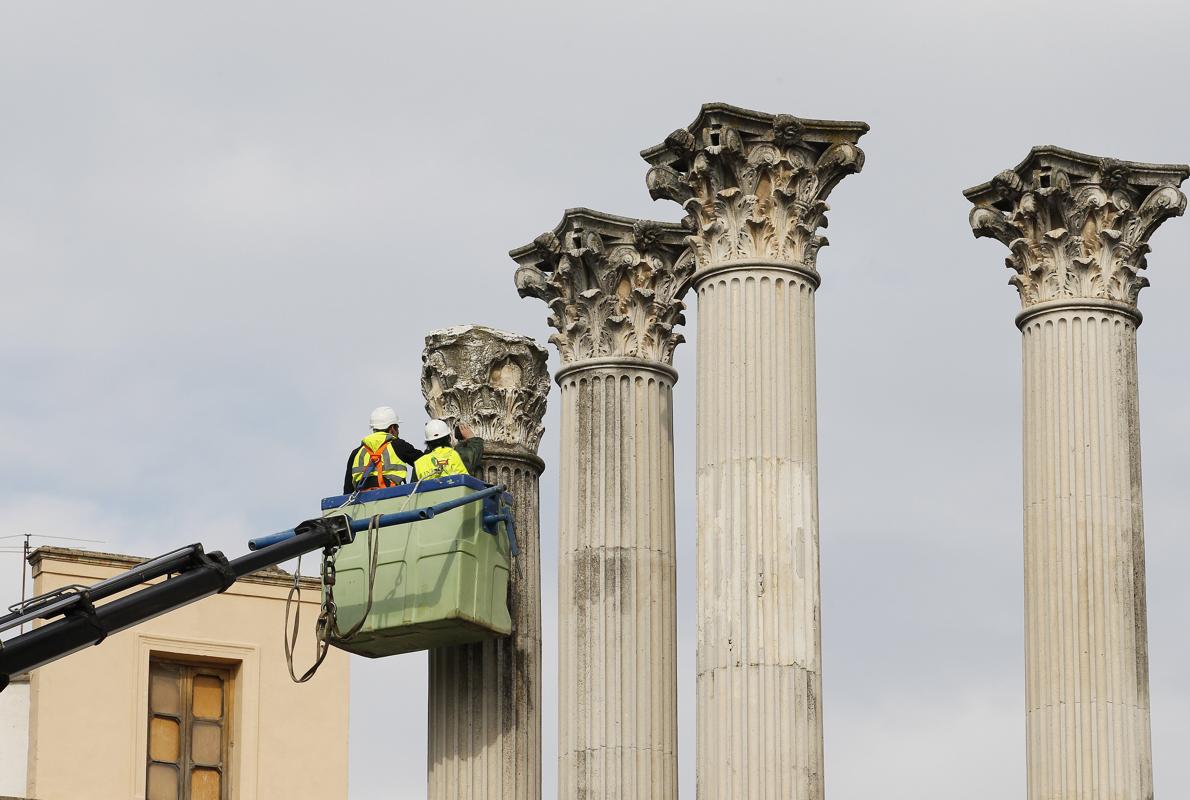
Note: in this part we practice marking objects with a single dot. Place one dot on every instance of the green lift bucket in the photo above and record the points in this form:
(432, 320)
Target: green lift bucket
(439, 581)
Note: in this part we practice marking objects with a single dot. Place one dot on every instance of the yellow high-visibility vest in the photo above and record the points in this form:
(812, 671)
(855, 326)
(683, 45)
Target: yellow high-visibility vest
(377, 448)
(438, 463)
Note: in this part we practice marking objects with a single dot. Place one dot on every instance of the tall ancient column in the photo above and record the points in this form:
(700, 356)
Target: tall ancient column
(1078, 228)
(754, 188)
(614, 287)
(485, 698)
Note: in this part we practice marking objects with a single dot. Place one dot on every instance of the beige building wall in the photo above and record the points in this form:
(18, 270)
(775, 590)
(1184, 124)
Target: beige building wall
(88, 712)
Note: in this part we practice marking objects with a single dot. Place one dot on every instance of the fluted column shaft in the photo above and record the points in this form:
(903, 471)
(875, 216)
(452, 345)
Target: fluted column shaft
(618, 703)
(614, 287)
(754, 188)
(1086, 653)
(484, 738)
(759, 653)
(1077, 228)
(485, 698)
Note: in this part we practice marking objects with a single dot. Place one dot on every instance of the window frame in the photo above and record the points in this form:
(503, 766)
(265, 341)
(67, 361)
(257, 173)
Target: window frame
(188, 670)
(243, 768)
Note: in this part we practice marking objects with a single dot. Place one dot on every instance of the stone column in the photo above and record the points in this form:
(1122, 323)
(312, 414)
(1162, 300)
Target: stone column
(1078, 229)
(754, 188)
(614, 287)
(485, 698)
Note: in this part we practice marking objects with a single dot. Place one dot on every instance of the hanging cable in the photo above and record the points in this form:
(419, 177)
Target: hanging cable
(322, 647)
(327, 628)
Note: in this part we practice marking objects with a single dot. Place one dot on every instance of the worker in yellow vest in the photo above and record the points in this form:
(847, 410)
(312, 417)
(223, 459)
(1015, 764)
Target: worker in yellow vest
(441, 459)
(383, 457)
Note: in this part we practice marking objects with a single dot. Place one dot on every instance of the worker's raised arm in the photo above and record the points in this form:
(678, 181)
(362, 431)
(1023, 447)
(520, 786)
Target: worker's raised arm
(470, 450)
(407, 452)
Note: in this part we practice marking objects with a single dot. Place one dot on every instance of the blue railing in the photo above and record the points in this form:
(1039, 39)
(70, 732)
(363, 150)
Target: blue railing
(412, 515)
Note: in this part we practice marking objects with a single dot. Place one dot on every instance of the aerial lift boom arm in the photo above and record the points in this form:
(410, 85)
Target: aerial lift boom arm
(193, 575)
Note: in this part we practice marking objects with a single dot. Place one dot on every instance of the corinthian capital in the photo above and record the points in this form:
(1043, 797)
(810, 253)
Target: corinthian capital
(494, 381)
(1078, 226)
(614, 285)
(754, 185)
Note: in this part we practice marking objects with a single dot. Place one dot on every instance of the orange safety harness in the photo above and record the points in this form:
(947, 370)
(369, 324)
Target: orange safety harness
(377, 457)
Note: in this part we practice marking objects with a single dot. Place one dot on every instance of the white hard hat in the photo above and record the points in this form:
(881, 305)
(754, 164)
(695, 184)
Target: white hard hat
(382, 418)
(436, 429)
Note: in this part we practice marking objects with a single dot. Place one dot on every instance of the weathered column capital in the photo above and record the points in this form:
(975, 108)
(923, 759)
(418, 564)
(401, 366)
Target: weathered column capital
(1078, 226)
(496, 382)
(754, 185)
(613, 284)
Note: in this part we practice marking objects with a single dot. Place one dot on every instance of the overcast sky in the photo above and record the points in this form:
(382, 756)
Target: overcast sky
(206, 210)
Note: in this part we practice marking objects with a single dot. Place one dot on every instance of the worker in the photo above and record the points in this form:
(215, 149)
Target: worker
(441, 459)
(382, 456)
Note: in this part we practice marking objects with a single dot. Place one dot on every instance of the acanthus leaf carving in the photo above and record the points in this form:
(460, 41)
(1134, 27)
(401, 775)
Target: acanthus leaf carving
(1076, 233)
(754, 193)
(614, 291)
(494, 381)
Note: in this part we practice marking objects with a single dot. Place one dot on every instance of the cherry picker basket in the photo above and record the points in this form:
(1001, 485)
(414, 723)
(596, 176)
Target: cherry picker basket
(438, 581)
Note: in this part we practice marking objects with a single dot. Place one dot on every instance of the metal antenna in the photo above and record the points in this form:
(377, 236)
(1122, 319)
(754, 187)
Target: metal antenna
(25, 554)
(24, 570)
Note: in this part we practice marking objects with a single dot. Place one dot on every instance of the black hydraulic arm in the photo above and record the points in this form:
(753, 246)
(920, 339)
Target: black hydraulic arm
(193, 576)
